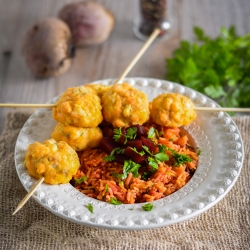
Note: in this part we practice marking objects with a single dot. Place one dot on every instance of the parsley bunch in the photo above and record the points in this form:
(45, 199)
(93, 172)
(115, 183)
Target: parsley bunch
(218, 68)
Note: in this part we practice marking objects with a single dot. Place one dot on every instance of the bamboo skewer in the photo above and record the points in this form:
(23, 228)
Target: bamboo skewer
(26, 105)
(15, 105)
(21, 105)
(222, 109)
(29, 194)
(138, 55)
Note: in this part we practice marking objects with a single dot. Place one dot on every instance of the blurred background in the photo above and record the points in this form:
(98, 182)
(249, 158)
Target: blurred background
(107, 60)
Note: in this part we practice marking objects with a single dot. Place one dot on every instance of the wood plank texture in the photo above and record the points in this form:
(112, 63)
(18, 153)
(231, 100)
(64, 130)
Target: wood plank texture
(18, 84)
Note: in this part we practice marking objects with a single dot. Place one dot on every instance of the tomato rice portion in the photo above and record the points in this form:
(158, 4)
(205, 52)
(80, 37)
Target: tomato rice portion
(99, 181)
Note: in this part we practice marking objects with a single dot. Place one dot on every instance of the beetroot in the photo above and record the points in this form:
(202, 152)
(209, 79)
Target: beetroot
(107, 144)
(90, 22)
(148, 143)
(135, 143)
(134, 156)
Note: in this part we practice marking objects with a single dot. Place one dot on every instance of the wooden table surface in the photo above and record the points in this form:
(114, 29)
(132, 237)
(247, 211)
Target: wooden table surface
(108, 60)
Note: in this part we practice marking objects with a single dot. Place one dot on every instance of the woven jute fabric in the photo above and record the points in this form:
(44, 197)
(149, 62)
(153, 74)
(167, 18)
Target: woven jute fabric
(224, 226)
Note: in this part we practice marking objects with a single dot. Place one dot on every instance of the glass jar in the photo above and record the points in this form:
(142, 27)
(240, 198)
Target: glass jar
(151, 14)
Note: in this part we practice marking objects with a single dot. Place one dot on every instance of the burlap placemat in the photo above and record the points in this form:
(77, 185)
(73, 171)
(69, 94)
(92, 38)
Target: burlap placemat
(224, 226)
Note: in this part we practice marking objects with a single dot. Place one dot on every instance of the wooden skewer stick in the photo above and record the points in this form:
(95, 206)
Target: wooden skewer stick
(26, 105)
(29, 194)
(151, 38)
(222, 109)
(20, 105)
(15, 105)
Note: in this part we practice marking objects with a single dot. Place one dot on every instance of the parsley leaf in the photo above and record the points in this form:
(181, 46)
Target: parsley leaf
(154, 160)
(151, 133)
(128, 167)
(111, 157)
(153, 163)
(90, 208)
(148, 207)
(80, 180)
(106, 187)
(161, 157)
(117, 134)
(131, 133)
(180, 158)
(147, 150)
(145, 176)
(114, 201)
(141, 153)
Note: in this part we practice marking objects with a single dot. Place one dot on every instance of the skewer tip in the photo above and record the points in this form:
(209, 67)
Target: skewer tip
(28, 195)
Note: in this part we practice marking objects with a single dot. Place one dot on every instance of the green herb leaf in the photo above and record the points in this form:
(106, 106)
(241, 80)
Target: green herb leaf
(81, 180)
(148, 207)
(131, 133)
(117, 134)
(131, 167)
(147, 150)
(153, 163)
(138, 152)
(128, 167)
(106, 187)
(90, 208)
(145, 176)
(162, 157)
(111, 157)
(114, 201)
(199, 152)
(151, 133)
(217, 67)
(180, 158)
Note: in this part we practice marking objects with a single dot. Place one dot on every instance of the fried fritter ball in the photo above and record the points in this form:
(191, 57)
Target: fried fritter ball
(100, 89)
(173, 110)
(124, 106)
(55, 161)
(71, 93)
(78, 138)
(83, 111)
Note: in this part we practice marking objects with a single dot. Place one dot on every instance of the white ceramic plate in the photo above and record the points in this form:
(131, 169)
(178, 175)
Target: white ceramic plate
(215, 133)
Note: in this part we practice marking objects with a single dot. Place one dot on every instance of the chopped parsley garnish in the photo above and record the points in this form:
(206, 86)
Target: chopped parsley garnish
(141, 153)
(180, 158)
(199, 152)
(117, 134)
(147, 150)
(145, 176)
(106, 187)
(128, 167)
(80, 180)
(161, 157)
(151, 133)
(90, 208)
(153, 163)
(148, 207)
(156, 159)
(114, 201)
(111, 157)
(130, 134)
